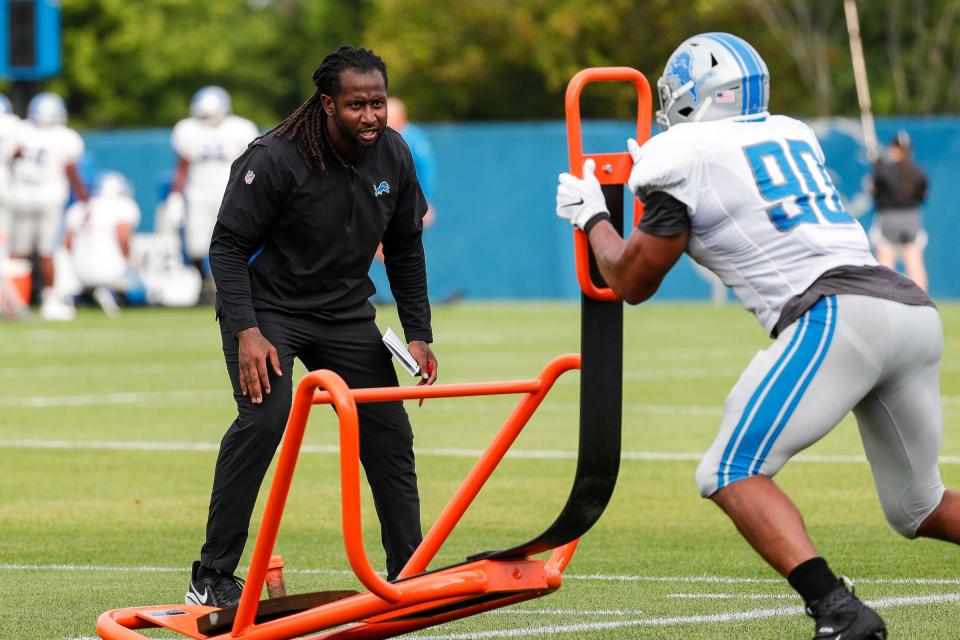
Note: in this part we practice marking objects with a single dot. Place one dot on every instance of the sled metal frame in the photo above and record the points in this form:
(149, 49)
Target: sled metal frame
(421, 598)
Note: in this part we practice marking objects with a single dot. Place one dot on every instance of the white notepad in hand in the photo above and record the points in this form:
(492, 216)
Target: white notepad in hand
(399, 351)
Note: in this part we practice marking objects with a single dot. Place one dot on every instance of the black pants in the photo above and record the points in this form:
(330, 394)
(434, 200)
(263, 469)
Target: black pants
(353, 350)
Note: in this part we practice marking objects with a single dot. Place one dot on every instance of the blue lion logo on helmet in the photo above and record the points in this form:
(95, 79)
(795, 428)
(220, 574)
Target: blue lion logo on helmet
(681, 68)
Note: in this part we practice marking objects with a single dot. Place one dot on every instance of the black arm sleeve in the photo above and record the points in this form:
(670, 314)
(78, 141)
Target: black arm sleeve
(252, 200)
(229, 254)
(404, 259)
(663, 215)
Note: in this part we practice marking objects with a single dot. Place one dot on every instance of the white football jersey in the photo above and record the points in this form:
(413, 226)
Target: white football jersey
(764, 213)
(9, 133)
(98, 259)
(211, 150)
(40, 173)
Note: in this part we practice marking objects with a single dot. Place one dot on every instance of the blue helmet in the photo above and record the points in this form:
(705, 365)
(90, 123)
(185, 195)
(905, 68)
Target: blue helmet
(5, 105)
(47, 109)
(712, 76)
(210, 103)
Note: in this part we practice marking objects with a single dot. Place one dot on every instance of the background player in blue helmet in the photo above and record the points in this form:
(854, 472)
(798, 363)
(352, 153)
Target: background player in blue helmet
(206, 143)
(11, 306)
(747, 195)
(44, 172)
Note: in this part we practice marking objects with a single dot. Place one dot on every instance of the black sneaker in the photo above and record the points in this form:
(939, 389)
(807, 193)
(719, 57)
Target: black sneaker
(840, 615)
(212, 588)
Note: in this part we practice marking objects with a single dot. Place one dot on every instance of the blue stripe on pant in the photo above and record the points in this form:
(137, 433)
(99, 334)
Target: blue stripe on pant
(778, 394)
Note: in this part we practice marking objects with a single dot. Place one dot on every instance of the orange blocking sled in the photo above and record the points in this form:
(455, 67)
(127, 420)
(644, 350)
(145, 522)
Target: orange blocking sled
(420, 597)
(416, 600)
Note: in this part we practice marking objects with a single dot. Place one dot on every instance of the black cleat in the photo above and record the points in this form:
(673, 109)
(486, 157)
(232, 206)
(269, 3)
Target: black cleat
(840, 615)
(212, 588)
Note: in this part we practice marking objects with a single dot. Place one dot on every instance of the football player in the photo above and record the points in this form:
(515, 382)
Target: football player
(206, 143)
(9, 128)
(98, 237)
(747, 195)
(10, 304)
(44, 171)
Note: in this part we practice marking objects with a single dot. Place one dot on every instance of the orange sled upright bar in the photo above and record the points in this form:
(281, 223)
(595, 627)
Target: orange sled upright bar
(419, 599)
(612, 168)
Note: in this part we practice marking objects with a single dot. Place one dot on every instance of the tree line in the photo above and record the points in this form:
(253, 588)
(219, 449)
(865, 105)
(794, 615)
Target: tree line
(136, 64)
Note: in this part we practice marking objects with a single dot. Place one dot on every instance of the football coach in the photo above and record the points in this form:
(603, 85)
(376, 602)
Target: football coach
(305, 209)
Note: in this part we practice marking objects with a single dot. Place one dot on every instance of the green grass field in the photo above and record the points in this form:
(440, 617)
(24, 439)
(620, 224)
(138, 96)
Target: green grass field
(110, 429)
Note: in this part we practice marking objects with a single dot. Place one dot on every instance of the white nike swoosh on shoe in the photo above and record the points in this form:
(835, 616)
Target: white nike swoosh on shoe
(196, 598)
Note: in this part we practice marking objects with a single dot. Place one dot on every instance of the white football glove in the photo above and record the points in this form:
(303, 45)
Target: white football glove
(175, 209)
(579, 200)
(633, 182)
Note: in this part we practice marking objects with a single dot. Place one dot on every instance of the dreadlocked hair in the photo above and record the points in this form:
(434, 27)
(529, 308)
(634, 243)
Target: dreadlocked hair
(308, 124)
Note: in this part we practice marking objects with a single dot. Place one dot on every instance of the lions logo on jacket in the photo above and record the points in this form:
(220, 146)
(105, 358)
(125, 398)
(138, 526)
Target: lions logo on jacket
(380, 189)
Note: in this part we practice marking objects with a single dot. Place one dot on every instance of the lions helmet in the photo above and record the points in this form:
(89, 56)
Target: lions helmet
(712, 76)
(5, 105)
(113, 184)
(210, 104)
(47, 109)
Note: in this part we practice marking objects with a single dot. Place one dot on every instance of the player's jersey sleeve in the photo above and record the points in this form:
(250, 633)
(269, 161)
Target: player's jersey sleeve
(669, 163)
(181, 137)
(71, 146)
(10, 128)
(246, 131)
(128, 212)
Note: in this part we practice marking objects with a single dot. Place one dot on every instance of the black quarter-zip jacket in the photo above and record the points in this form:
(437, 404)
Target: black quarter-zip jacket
(295, 239)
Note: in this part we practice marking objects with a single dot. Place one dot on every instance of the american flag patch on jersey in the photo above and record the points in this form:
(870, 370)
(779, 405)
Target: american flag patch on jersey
(249, 177)
(725, 97)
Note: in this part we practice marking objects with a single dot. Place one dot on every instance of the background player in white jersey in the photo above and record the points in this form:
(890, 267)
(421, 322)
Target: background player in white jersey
(44, 171)
(9, 128)
(747, 195)
(206, 143)
(10, 304)
(98, 237)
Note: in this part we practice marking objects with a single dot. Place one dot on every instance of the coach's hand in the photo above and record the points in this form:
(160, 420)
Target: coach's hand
(580, 200)
(254, 353)
(425, 358)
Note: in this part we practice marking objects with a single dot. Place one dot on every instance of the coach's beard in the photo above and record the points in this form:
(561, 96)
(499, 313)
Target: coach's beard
(351, 136)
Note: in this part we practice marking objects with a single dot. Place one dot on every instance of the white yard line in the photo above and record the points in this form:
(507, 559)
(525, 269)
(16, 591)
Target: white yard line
(152, 398)
(735, 616)
(730, 580)
(510, 611)
(733, 596)
(90, 369)
(439, 452)
(492, 406)
(99, 399)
